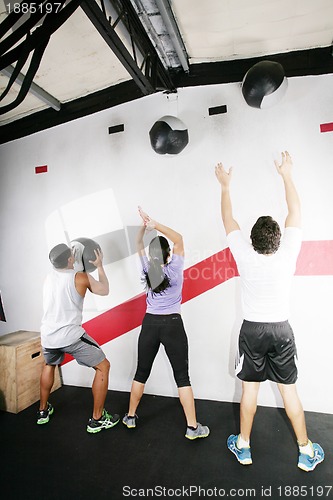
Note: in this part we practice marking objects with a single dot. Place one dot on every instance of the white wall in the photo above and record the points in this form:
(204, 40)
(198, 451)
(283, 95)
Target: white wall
(181, 191)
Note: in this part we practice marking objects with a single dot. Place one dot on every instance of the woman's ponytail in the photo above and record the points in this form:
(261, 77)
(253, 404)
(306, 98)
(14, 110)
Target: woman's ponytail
(155, 278)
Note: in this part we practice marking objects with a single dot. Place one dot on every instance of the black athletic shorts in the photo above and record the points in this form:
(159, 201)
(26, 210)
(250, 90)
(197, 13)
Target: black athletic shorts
(266, 351)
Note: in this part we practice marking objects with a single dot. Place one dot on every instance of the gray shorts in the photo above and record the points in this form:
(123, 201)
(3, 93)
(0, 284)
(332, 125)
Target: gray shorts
(86, 351)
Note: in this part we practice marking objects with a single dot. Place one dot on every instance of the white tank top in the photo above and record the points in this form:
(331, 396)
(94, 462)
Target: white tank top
(62, 319)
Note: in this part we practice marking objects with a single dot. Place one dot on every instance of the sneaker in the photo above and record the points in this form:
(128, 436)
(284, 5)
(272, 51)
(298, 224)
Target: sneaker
(243, 455)
(307, 463)
(130, 422)
(105, 422)
(43, 416)
(202, 431)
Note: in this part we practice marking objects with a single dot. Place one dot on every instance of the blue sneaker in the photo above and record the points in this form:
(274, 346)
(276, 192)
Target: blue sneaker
(243, 455)
(307, 463)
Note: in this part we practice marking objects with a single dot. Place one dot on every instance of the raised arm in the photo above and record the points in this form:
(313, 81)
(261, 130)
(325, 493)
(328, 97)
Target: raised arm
(170, 234)
(230, 224)
(293, 218)
(140, 247)
(84, 281)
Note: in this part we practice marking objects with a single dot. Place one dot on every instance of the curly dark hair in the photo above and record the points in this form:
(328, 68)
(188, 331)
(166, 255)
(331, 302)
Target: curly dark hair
(266, 235)
(155, 279)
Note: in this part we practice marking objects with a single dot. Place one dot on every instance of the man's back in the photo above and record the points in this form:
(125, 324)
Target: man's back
(266, 279)
(62, 319)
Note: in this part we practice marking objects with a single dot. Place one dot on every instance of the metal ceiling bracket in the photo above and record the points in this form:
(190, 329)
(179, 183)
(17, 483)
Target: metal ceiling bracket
(144, 77)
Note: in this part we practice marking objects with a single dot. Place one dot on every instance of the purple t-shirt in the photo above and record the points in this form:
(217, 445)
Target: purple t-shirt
(168, 301)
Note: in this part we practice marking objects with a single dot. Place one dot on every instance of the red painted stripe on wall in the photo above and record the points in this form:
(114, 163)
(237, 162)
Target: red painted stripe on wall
(198, 279)
(208, 273)
(115, 322)
(326, 127)
(316, 258)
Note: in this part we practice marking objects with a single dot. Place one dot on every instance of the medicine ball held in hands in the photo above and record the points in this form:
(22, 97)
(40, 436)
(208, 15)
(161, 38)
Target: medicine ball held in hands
(264, 84)
(83, 249)
(168, 135)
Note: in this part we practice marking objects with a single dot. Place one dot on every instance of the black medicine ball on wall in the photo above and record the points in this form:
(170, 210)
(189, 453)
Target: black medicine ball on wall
(168, 135)
(84, 252)
(264, 84)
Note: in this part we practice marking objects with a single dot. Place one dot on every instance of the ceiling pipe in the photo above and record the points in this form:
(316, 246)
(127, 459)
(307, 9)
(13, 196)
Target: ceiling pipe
(171, 25)
(37, 91)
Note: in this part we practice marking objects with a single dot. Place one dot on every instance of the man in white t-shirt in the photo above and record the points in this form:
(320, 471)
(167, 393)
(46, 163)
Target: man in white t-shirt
(267, 349)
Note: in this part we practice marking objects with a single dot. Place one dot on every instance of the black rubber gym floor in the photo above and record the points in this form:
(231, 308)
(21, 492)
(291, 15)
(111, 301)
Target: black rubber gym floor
(60, 460)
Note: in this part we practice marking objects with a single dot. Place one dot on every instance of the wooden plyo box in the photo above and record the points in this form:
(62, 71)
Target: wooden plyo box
(21, 362)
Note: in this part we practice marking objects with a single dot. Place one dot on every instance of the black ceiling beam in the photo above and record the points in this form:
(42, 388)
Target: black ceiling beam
(317, 61)
(299, 63)
(72, 110)
(97, 17)
(144, 80)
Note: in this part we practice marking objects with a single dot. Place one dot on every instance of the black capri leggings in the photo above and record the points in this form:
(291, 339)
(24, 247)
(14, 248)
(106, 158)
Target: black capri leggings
(167, 330)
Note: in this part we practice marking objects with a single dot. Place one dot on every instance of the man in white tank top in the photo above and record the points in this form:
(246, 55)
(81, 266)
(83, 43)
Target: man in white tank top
(267, 349)
(61, 332)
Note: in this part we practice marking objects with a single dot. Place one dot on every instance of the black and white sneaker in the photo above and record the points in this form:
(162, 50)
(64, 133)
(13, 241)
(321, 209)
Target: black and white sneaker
(43, 416)
(105, 422)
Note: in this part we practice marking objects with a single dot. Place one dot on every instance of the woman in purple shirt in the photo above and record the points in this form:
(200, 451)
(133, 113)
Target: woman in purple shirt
(162, 323)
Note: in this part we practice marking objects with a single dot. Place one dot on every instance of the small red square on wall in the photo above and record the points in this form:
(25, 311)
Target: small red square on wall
(41, 169)
(326, 127)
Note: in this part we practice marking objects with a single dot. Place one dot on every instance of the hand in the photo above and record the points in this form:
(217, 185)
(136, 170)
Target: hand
(286, 164)
(222, 175)
(147, 221)
(98, 262)
(77, 252)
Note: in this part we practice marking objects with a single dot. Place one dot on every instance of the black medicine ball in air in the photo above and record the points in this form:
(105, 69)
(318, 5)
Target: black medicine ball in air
(168, 135)
(264, 84)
